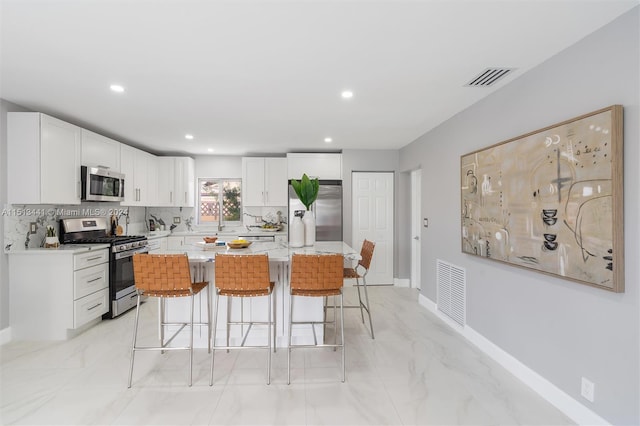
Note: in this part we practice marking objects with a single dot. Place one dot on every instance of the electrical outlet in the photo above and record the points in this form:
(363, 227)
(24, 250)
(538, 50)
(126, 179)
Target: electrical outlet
(33, 228)
(258, 219)
(588, 389)
(176, 219)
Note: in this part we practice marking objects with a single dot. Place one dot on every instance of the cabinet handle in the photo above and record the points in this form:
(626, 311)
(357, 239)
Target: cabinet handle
(266, 197)
(93, 280)
(185, 197)
(94, 306)
(94, 258)
(171, 197)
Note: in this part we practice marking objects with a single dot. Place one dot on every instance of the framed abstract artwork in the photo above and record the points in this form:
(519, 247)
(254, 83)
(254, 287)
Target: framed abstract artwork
(551, 200)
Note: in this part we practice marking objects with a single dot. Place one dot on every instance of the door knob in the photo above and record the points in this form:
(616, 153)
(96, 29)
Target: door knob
(416, 238)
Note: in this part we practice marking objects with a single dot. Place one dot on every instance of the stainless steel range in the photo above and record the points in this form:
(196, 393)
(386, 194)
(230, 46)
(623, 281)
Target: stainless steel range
(122, 248)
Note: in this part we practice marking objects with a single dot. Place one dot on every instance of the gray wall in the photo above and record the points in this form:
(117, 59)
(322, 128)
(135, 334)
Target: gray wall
(4, 262)
(212, 166)
(561, 329)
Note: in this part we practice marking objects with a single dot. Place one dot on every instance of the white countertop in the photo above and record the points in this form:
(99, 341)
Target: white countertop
(278, 252)
(241, 232)
(63, 249)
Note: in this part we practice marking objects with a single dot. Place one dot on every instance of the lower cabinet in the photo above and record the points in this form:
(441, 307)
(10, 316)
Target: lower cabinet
(157, 245)
(52, 294)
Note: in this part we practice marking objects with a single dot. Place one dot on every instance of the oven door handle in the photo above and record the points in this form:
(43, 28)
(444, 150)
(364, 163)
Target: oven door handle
(129, 253)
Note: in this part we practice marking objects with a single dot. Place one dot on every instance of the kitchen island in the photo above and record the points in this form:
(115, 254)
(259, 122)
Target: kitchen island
(255, 309)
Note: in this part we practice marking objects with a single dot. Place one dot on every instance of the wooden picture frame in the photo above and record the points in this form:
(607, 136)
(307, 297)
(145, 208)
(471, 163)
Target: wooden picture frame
(551, 200)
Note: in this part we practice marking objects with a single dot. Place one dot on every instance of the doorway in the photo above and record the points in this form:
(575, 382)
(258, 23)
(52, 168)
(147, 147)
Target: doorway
(416, 227)
(372, 210)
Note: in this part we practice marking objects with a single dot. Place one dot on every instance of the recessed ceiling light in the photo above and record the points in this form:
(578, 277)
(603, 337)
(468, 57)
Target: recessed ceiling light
(328, 140)
(188, 136)
(347, 94)
(210, 149)
(116, 88)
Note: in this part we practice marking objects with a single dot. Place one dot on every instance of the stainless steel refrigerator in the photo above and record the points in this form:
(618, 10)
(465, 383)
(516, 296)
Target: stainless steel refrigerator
(327, 208)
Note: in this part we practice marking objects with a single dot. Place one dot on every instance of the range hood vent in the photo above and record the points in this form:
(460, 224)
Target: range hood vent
(489, 77)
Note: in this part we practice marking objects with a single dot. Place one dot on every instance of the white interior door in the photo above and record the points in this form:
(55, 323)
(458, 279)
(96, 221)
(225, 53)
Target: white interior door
(372, 196)
(416, 226)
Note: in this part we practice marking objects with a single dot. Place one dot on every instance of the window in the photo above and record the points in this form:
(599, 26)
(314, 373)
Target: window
(219, 197)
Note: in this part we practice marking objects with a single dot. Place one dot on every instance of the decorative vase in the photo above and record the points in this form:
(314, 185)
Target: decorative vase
(51, 242)
(296, 232)
(309, 221)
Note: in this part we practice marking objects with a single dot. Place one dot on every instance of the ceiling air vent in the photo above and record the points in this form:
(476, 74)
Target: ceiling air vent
(488, 77)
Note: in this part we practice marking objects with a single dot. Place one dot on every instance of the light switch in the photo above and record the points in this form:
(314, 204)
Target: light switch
(425, 222)
(33, 228)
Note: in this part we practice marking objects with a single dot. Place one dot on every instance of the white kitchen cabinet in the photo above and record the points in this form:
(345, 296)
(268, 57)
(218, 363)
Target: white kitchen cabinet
(185, 186)
(150, 196)
(140, 180)
(59, 295)
(166, 185)
(176, 182)
(175, 243)
(157, 245)
(264, 181)
(100, 151)
(316, 165)
(43, 160)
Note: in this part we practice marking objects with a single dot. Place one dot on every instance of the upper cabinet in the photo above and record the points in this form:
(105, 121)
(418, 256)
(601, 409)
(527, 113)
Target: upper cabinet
(100, 151)
(264, 181)
(321, 166)
(43, 159)
(176, 182)
(140, 176)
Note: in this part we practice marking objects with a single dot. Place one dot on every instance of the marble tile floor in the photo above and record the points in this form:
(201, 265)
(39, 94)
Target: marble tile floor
(417, 371)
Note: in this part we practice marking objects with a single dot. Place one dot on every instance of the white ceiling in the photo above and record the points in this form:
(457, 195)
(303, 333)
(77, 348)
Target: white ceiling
(249, 77)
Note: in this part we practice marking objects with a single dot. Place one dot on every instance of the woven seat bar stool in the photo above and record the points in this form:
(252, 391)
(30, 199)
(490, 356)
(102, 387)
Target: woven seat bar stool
(243, 276)
(166, 276)
(360, 271)
(316, 276)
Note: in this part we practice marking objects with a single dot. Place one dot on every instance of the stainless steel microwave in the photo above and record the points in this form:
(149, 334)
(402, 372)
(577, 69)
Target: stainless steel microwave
(100, 184)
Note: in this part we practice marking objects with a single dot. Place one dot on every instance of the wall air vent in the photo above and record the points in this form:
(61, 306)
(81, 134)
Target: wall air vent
(452, 291)
(489, 77)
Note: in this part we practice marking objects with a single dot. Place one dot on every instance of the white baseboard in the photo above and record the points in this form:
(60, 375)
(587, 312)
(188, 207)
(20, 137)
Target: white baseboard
(547, 390)
(5, 335)
(402, 282)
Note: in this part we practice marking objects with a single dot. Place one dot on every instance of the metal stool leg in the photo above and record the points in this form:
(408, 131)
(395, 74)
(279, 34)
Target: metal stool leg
(191, 343)
(359, 299)
(228, 320)
(275, 328)
(135, 336)
(366, 296)
(335, 325)
(213, 338)
(289, 345)
(269, 342)
(209, 287)
(342, 333)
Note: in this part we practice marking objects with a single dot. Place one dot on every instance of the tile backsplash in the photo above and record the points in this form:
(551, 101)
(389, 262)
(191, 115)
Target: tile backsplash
(134, 220)
(18, 220)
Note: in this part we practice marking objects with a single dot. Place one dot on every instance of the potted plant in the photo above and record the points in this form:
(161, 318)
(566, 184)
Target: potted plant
(307, 191)
(51, 240)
